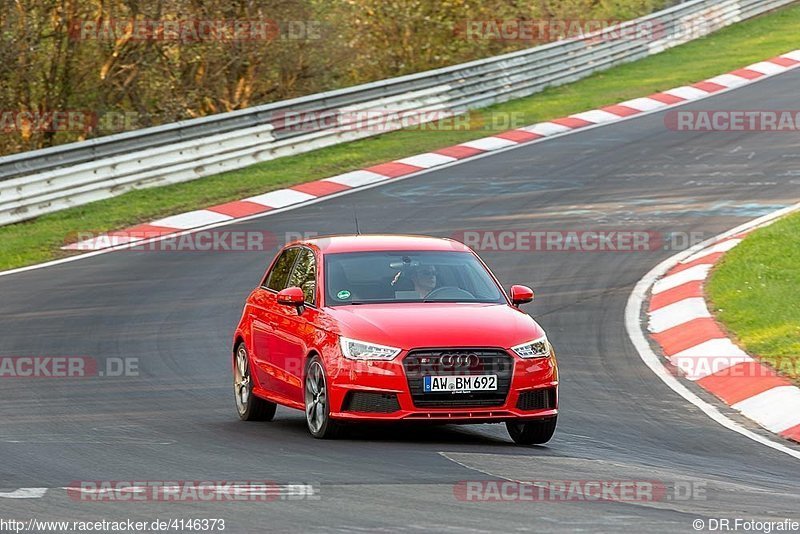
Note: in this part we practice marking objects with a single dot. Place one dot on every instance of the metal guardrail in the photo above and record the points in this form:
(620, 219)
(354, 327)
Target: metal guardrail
(47, 180)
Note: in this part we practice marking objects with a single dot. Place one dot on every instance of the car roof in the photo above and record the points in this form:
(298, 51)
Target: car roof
(383, 242)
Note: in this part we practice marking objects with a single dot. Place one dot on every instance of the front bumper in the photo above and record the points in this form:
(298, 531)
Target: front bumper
(532, 393)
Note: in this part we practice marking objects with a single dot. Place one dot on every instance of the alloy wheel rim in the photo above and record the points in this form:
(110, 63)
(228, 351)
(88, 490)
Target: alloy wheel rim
(315, 396)
(241, 381)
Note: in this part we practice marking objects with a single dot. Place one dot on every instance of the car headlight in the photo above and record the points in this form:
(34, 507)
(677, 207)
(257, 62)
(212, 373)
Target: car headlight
(538, 348)
(361, 350)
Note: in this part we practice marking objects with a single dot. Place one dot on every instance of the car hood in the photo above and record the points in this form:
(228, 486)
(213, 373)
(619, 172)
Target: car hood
(412, 325)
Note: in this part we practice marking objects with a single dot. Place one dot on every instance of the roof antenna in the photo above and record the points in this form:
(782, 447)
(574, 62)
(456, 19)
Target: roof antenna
(355, 218)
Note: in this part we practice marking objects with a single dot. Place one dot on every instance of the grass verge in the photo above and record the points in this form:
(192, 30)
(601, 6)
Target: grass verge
(754, 293)
(731, 48)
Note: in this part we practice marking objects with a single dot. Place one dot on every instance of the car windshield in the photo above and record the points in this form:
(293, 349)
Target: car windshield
(407, 276)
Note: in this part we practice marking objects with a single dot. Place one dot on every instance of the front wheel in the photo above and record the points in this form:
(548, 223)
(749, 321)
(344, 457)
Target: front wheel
(532, 432)
(318, 408)
(249, 407)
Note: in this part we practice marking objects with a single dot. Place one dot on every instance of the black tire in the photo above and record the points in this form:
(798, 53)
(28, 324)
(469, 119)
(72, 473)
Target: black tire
(532, 432)
(317, 405)
(248, 406)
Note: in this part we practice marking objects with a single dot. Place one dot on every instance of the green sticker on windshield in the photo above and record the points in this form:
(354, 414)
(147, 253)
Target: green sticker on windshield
(343, 294)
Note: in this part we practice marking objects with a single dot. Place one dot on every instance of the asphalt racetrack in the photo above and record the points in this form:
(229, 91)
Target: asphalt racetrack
(175, 312)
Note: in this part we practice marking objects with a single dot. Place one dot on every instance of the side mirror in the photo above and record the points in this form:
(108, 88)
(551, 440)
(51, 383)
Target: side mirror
(521, 295)
(291, 296)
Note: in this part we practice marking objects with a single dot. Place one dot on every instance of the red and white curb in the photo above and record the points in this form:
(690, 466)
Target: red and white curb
(680, 322)
(311, 191)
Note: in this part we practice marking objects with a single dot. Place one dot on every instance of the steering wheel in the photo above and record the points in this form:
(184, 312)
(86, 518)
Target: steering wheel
(450, 292)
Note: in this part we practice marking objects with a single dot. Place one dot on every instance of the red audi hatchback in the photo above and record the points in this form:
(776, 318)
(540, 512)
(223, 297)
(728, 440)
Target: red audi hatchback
(392, 328)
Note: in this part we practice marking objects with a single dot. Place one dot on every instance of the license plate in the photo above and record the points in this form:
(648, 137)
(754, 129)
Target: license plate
(459, 384)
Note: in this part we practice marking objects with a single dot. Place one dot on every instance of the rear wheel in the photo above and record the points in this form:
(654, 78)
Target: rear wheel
(249, 407)
(532, 432)
(318, 409)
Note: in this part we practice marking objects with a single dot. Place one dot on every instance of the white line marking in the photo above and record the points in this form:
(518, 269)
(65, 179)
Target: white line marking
(101, 241)
(24, 493)
(633, 313)
(222, 489)
(477, 469)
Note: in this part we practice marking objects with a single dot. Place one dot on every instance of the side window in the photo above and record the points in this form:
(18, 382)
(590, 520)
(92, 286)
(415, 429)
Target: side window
(279, 275)
(304, 275)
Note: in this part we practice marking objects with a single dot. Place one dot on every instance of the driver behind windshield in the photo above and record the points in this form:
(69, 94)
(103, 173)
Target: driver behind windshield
(424, 279)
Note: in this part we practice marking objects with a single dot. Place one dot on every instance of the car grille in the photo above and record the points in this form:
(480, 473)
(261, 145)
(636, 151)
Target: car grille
(538, 399)
(364, 401)
(439, 362)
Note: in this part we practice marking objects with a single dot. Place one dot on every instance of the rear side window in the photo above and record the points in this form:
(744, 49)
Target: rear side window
(278, 276)
(304, 275)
